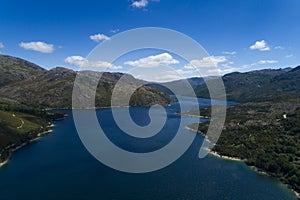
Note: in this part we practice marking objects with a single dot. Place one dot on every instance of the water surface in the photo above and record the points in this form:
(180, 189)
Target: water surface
(59, 167)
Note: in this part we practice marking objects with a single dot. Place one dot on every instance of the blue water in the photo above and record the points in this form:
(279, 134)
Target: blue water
(59, 167)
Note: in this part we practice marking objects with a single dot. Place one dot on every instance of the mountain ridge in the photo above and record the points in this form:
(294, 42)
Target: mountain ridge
(53, 88)
(259, 85)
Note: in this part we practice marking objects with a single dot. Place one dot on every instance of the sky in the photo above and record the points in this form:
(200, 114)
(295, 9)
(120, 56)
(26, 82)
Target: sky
(238, 35)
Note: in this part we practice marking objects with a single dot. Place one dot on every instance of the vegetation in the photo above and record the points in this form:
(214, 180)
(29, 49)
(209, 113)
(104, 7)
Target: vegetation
(259, 86)
(27, 89)
(264, 130)
(265, 134)
(53, 88)
(20, 124)
(15, 69)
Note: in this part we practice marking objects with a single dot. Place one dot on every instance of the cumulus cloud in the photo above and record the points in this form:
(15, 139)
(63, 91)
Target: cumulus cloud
(223, 71)
(82, 62)
(1, 45)
(260, 45)
(140, 4)
(279, 48)
(159, 76)
(288, 56)
(99, 37)
(37, 46)
(184, 71)
(153, 61)
(114, 30)
(263, 62)
(229, 52)
(206, 62)
(212, 66)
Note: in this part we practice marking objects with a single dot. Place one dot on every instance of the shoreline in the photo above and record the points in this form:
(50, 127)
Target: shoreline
(296, 193)
(216, 154)
(254, 168)
(265, 173)
(38, 136)
(191, 115)
(106, 107)
(4, 162)
(99, 108)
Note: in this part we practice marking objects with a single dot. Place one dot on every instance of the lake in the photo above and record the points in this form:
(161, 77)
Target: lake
(59, 167)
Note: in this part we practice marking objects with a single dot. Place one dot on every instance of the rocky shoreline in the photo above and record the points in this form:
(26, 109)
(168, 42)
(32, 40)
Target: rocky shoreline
(257, 170)
(13, 149)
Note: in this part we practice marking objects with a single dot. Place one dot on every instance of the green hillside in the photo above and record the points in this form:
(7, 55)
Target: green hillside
(264, 129)
(27, 89)
(14, 69)
(54, 88)
(265, 134)
(261, 85)
(19, 124)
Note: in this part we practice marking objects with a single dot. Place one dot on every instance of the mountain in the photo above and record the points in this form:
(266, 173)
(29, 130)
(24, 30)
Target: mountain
(53, 88)
(260, 85)
(17, 128)
(265, 135)
(264, 128)
(21, 124)
(14, 69)
(179, 85)
(194, 81)
(26, 88)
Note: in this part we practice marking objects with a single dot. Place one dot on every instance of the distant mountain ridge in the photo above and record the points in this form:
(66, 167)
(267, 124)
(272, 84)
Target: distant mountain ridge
(180, 85)
(260, 85)
(28, 83)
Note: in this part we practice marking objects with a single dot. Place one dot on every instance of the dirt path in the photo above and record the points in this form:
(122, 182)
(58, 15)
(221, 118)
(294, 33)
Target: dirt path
(22, 122)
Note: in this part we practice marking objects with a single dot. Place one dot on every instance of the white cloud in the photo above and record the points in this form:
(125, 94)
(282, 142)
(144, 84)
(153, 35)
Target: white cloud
(218, 71)
(290, 55)
(204, 67)
(279, 48)
(153, 61)
(159, 76)
(37, 46)
(263, 62)
(260, 45)
(226, 68)
(1, 45)
(184, 71)
(206, 62)
(114, 30)
(229, 52)
(213, 72)
(209, 66)
(140, 4)
(82, 62)
(99, 37)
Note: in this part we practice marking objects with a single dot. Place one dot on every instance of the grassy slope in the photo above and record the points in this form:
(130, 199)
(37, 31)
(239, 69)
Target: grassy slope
(19, 124)
(25, 89)
(17, 128)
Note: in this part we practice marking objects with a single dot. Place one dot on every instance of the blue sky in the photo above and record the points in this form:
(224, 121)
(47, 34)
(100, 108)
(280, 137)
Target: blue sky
(48, 32)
